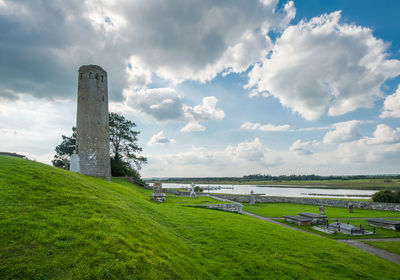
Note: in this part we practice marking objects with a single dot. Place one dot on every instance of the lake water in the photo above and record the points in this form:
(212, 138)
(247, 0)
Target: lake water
(282, 190)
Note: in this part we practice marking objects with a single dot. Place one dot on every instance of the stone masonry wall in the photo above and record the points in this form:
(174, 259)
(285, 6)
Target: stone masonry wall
(313, 201)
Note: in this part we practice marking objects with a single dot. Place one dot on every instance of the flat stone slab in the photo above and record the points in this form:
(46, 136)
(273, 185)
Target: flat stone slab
(315, 218)
(229, 207)
(389, 224)
(348, 229)
(377, 220)
(325, 230)
(301, 221)
(298, 218)
(312, 215)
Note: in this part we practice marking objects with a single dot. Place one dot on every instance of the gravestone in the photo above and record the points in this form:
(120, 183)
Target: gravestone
(192, 192)
(321, 210)
(252, 199)
(158, 195)
(74, 163)
(350, 207)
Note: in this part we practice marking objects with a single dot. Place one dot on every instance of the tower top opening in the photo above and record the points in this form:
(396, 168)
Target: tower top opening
(91, 67)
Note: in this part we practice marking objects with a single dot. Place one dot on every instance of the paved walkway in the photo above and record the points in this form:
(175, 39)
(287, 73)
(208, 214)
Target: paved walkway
(352, 242)
(372, 249)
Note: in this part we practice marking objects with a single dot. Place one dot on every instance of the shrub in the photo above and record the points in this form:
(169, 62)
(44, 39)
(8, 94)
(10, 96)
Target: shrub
(385, 196)
(397, 195)
(198, 189)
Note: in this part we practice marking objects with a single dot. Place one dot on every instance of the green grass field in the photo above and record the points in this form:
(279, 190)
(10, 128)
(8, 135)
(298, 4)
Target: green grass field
(55, 224)
(391, 246)
(277, 210)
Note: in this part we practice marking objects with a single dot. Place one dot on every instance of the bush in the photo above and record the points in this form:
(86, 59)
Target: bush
(397, 195)
(120, 168)
(386, 196)
(198, 189)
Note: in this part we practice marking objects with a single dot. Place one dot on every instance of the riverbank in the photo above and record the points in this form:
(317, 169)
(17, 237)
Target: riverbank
(360, 184)
(280, 191)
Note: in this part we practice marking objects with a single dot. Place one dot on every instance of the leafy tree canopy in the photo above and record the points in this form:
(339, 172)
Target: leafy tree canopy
(124, 149)
(65, 150)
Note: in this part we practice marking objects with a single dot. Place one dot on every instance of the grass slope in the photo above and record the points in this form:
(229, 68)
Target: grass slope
(55, 224)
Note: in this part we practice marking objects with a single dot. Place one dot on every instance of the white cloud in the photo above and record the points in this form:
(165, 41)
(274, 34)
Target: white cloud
(324, 65)
(253, 151)
(166, 104)
(176, 42)
(300, 147)
(245, 158)
(193, 126)
(383, 146)
(160, 139)
(385, 135)
(161, 103)
(264, 127)
(391, 107)
(206, 111)
(33, 127)
(139, 76)
(343, 132)
(249, 157)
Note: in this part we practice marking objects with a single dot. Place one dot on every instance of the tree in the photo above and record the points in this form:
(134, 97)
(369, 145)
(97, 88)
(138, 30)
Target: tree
(65, 150)
(384, 196)
(123, 142)
(123, 148)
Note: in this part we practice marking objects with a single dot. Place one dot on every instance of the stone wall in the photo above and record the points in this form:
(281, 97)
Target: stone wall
(313, 201)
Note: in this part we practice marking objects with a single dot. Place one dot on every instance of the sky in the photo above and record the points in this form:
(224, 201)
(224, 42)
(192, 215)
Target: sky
(216, 88)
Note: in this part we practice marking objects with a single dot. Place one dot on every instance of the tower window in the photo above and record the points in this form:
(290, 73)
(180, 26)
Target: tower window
(102, 78)
(80, 75)
(103, 98)
(90, 75)
(96, 76)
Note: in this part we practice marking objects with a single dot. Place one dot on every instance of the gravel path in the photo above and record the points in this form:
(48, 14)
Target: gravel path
(352, 242)
(373, 250)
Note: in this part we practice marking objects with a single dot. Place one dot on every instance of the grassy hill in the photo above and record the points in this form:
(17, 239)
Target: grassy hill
(55, 224)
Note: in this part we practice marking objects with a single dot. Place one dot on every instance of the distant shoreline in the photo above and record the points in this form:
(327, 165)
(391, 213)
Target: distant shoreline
(349, 185)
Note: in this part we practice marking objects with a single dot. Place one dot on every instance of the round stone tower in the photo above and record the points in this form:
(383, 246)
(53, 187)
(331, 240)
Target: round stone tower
(92, 128)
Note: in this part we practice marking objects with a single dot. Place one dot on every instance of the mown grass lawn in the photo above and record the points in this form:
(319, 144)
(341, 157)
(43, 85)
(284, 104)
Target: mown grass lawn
(55, 224)
(277, 210)
(391, 246)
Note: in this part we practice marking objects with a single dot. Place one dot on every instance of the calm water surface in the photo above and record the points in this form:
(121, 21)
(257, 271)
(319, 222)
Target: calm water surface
(283, 190)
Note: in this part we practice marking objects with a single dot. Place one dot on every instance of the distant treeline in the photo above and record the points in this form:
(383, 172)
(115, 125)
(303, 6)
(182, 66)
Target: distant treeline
(313, 177)
(264, 177)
